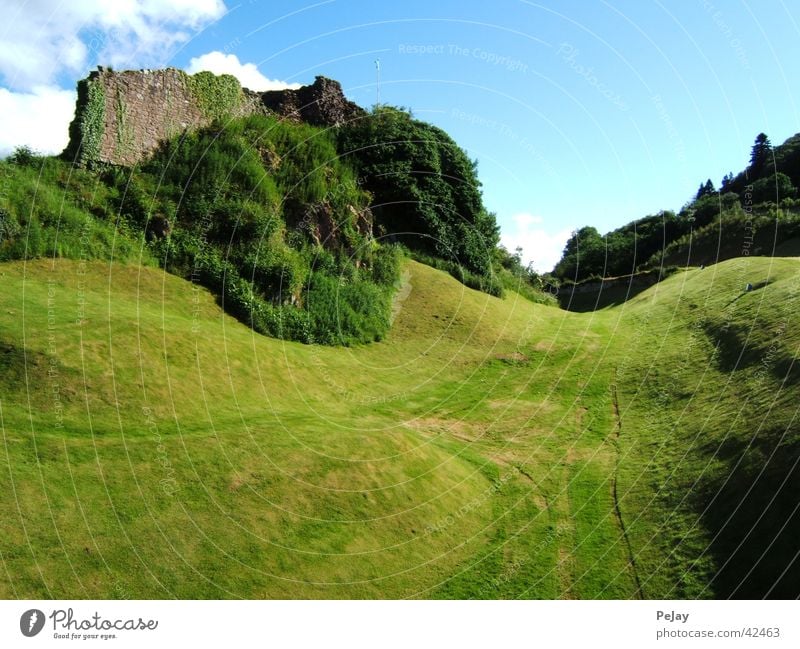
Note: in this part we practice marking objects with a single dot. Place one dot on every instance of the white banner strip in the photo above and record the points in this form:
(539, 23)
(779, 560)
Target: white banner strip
(386, 625)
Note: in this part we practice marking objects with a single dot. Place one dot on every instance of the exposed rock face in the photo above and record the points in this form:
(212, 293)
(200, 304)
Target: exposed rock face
(121, 117)
(158, 227)
(322, 103)
(324, 229)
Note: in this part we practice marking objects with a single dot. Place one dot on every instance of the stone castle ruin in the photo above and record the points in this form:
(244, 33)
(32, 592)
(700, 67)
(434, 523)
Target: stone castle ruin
(122, 117)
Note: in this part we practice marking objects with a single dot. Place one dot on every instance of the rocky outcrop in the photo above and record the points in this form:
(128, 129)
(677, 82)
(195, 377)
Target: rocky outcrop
(322, 103)
(122, 117)
(324, 229)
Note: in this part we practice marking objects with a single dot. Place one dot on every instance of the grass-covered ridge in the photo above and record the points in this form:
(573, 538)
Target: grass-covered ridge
(156, 447)
(262, 212)
(298, 230)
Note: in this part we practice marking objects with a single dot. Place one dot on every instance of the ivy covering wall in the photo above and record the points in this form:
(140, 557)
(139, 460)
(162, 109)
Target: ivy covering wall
(217, 96)
(92, 121)
(122, 118)
(124, 132)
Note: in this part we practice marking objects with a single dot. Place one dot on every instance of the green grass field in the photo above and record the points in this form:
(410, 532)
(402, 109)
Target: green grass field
(489, 448)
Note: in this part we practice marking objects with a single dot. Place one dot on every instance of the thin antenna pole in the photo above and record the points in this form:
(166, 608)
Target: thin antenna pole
(377, 82)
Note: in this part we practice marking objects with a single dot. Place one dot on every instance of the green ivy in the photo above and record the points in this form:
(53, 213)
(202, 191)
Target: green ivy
(93, 122)
(217, 96)
(125, 139)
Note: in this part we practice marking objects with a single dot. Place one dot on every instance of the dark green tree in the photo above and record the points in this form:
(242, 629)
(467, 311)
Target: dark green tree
(727, 179)
(760, 154)
(425, 189)
(706, 189)
(584, 255)
(773, 188)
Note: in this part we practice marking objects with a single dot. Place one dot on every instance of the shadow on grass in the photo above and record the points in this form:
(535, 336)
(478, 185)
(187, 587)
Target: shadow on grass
(752, 513)
(734, 354)
(599, 296)
(753, 287)
(18, 365)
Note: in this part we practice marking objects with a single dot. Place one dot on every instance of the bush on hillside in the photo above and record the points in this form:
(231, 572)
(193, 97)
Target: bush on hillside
(262, 212)
(425, 189)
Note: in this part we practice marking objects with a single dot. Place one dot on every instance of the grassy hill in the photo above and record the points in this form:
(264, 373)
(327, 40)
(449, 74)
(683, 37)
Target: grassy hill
(153, 446)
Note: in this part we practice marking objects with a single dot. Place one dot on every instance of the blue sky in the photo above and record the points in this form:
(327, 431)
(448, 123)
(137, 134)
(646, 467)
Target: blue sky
(578, 112)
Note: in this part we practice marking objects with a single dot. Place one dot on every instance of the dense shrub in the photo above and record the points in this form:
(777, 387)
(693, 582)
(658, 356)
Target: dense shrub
(265, 214)
(425, 189)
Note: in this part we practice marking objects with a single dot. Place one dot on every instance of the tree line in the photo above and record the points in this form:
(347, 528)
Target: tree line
(770, 180)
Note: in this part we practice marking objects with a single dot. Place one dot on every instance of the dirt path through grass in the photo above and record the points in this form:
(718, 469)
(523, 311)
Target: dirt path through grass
(617, 510)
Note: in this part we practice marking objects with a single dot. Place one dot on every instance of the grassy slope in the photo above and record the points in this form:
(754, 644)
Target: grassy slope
(710, 402)
(474, 453)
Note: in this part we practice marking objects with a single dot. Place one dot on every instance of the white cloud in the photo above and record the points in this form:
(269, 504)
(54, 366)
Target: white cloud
(247, 73)
(539, 245)
(38, 119)
(45, 38)
(524, 220)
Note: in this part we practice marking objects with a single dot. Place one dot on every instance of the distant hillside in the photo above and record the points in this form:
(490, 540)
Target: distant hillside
(752, 213)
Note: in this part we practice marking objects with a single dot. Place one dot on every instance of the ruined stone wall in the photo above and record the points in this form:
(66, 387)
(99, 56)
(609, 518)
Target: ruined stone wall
(143, 109)
(122, 117)
(321, 104)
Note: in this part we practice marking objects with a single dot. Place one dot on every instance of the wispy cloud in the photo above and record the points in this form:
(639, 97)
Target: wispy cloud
(45, 38)
(45, 41)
